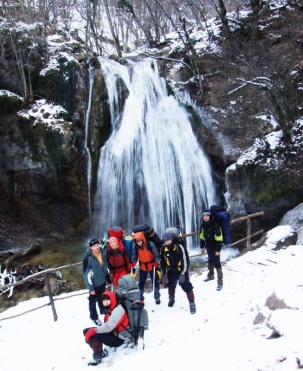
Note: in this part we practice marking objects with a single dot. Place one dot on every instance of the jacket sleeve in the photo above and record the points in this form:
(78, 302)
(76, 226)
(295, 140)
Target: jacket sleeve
(162, 261)
(134, 254)
(218, 237)
(88, 274)
(202, 239)
(114, 320)
(185, 259)
(155, 251)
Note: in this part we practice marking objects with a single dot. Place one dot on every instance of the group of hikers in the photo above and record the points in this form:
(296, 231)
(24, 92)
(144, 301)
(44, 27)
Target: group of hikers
(167, 259)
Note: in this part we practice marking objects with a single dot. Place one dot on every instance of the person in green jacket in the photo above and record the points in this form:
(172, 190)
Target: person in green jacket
(211, 238)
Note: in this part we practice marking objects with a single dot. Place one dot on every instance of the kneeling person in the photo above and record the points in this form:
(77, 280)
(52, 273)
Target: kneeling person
(112, 333)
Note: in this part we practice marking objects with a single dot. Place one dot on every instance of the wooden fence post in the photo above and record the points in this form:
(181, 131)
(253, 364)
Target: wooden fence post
(248, 234)
(50, 295)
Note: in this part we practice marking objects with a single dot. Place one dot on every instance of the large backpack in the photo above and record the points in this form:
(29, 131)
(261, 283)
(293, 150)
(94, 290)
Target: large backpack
(118, 232)
(222, 217)
(128, 295)
(149, 234)
(178, 233)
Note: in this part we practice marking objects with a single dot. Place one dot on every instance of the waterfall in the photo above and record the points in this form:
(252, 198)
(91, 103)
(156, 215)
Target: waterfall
(152, 168)
(87, 116)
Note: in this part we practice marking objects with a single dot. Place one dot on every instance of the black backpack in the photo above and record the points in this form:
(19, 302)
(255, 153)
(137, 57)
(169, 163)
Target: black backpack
(128, 295)
(149, 234)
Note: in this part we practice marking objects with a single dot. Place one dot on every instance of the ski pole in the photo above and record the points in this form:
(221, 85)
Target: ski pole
(154, 279)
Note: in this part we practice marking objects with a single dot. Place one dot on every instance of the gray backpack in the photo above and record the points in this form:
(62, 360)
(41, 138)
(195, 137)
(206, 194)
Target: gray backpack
(128, 295)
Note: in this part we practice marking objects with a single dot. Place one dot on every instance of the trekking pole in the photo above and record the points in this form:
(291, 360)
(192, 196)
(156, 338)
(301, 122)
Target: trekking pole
(154, 279)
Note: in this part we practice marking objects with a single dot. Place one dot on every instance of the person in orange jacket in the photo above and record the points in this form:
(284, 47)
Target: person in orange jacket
(148, 256)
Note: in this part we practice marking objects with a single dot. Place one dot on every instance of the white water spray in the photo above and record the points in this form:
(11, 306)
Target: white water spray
(152, 168)
(87, 116)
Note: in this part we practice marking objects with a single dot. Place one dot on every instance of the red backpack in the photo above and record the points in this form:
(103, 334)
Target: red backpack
(117, 232)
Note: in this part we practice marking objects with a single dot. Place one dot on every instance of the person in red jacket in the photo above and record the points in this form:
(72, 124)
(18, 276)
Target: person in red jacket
(148, 255)
(117, 260)
(112, 333)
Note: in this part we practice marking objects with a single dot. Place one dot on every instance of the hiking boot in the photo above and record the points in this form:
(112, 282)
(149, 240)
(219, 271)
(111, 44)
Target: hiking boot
(171, 302)
(94, 362)
(158, 301)
(220, 279)
(209, 278)
(192, 307)
(97, 322)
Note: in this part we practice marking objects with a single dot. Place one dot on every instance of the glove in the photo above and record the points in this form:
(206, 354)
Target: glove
(158, 274)
(156, 264)
(181, 279)
(89, 333)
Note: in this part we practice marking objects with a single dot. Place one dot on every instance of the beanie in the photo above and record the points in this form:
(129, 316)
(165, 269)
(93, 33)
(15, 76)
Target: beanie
(167, 236)
(93, 242)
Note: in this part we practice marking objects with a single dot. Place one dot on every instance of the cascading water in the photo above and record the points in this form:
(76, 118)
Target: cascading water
(152, 168)
(89, 163)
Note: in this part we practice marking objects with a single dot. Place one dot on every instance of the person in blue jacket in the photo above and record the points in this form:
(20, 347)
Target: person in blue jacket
(95, 274)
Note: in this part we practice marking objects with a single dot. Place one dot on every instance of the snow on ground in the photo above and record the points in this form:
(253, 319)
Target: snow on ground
(220, 336)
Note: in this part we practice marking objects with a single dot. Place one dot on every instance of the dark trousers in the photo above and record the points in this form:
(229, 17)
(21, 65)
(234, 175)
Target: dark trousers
(96, 342)
(108, 338)
(212, 257)
(142, 281)
(93, 301)
(173, 277)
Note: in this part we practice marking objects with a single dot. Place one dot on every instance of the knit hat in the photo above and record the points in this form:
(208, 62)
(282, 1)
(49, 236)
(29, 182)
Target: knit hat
(167, 236)
(112, 239)
(93, 242)
(206, 212)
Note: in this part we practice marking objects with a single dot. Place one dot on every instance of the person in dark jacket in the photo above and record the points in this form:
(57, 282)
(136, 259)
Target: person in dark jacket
(175, 265)
(211, 238)
(95, 275)
(112, 333)
(148, 255)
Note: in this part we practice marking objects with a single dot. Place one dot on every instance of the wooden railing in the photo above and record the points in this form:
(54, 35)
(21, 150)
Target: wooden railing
(248, 237)
(46, 273)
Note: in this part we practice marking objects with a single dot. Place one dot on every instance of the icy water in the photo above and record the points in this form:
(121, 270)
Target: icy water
(152, 168)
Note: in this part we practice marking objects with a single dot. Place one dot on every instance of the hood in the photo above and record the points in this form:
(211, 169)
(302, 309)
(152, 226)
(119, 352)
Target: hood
(113, 299)
(140, 235)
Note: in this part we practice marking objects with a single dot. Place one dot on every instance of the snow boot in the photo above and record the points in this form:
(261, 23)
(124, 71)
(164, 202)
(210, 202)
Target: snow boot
(97, 322)
(210, 274)
(94, 362)
(171, 301)
(220, 279)
(192, 307)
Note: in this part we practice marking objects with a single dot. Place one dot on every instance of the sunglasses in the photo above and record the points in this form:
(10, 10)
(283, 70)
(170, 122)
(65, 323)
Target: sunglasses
(138, 240)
